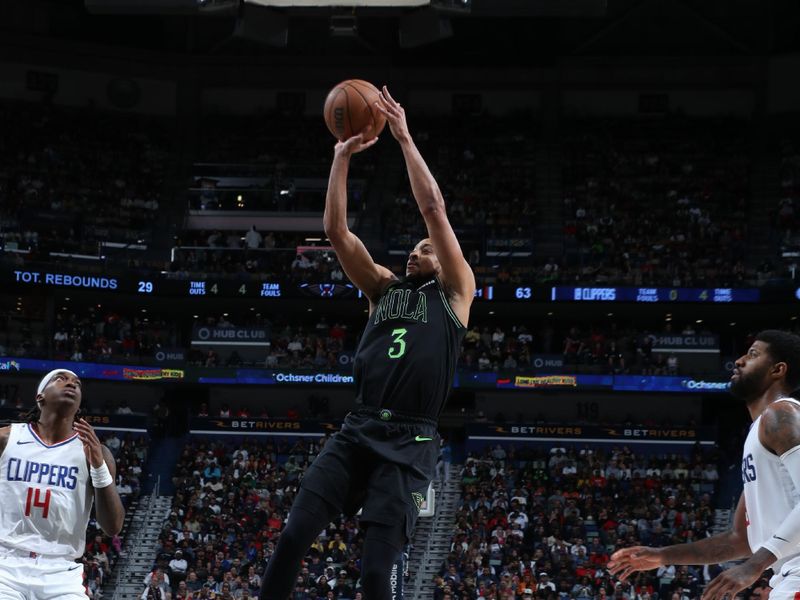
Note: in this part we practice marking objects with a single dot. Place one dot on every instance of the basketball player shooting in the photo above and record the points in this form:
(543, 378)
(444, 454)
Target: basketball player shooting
(766, 527)
(384, 456)
(52, 468)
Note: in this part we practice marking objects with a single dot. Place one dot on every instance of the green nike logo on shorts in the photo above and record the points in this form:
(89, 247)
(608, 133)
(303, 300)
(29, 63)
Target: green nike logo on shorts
(421, 438)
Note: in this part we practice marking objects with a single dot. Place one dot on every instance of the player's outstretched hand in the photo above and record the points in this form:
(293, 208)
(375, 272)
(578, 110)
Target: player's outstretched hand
(731, 581)
(637, 558)
(91, 444)
(354, 145)
(395, 115)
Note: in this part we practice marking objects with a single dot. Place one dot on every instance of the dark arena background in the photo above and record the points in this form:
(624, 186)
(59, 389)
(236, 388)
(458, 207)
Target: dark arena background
(623, 177)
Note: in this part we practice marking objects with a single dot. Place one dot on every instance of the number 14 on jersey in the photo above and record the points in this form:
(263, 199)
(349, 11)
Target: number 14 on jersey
(35, 495)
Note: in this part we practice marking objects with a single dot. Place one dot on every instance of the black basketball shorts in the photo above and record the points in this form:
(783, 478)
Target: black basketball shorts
(380, 462)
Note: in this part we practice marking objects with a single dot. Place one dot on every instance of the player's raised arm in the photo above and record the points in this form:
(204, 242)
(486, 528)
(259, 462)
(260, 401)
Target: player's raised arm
(108, 505)
(456, 273)
(356, 261)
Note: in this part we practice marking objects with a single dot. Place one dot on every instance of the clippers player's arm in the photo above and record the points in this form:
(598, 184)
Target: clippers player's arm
(108, 506)
(778, 432)
(730, 545)
(356, 261)
(456, 274)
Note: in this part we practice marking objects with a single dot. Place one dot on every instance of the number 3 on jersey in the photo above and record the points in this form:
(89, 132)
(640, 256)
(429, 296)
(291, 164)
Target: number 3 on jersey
(398, 347)
(38, 502)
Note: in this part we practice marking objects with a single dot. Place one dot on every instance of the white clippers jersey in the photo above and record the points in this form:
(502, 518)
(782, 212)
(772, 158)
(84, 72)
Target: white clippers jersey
(45, 498)
(769, 493)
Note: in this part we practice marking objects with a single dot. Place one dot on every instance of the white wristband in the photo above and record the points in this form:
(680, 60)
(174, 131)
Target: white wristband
(101, 476)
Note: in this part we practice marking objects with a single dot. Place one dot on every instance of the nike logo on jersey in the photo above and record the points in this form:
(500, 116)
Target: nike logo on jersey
(777, 537)
(75, 567)
(421, 438)
(20, 443)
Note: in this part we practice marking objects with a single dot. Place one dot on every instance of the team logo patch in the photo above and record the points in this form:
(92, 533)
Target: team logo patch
(418, 499)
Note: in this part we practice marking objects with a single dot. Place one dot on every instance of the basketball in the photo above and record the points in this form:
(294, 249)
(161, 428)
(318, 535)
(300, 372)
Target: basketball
(350, 109)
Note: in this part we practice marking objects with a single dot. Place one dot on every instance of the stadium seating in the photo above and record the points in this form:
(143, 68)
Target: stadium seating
(232, 503)
(548, 520)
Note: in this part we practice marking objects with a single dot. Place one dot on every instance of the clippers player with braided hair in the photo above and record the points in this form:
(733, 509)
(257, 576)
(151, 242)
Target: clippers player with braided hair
(52, 469)
(385, 455)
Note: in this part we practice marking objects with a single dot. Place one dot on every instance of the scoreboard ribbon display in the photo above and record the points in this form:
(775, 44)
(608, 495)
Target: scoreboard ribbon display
(641, 294)
(165, 285)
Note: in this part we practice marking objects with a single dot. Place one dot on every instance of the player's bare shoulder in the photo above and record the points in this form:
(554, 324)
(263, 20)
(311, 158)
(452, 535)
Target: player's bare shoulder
(779, 429)
(4, 433)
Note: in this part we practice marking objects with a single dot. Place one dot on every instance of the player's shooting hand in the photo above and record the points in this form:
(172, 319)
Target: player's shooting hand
(731, 581)
(91, 444)
(395, 115)
(637, 558)
(353, 145)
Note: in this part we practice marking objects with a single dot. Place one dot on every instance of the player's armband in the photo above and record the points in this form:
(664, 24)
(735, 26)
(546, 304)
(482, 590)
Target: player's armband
(786, 540)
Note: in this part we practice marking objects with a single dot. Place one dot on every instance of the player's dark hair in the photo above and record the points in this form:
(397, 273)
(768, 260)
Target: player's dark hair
(784, 347)
(35, 413)
(32, 416)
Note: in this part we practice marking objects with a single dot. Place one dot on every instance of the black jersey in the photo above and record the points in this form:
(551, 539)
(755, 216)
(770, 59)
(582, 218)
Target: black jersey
(408, 352)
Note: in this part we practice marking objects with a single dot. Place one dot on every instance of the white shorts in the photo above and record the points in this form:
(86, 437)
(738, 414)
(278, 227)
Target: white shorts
(40, 578)
(785, 587)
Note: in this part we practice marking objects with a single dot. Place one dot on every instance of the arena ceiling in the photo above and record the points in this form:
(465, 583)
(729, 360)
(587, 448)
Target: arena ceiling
(514, 32)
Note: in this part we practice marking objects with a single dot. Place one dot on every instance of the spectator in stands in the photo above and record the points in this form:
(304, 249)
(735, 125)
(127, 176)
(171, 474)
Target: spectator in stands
(445, 461)
(710, 473)
(193, 583)
(156, 580)
(177, 567)
(94, 587)
(211, 358)
(252, 239)
(124, 488)
(153, 592)
(113, 443)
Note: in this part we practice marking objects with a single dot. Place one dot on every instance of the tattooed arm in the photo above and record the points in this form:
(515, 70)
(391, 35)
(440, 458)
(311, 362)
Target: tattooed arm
(723, 547)
(778, 432)
(779, 429)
